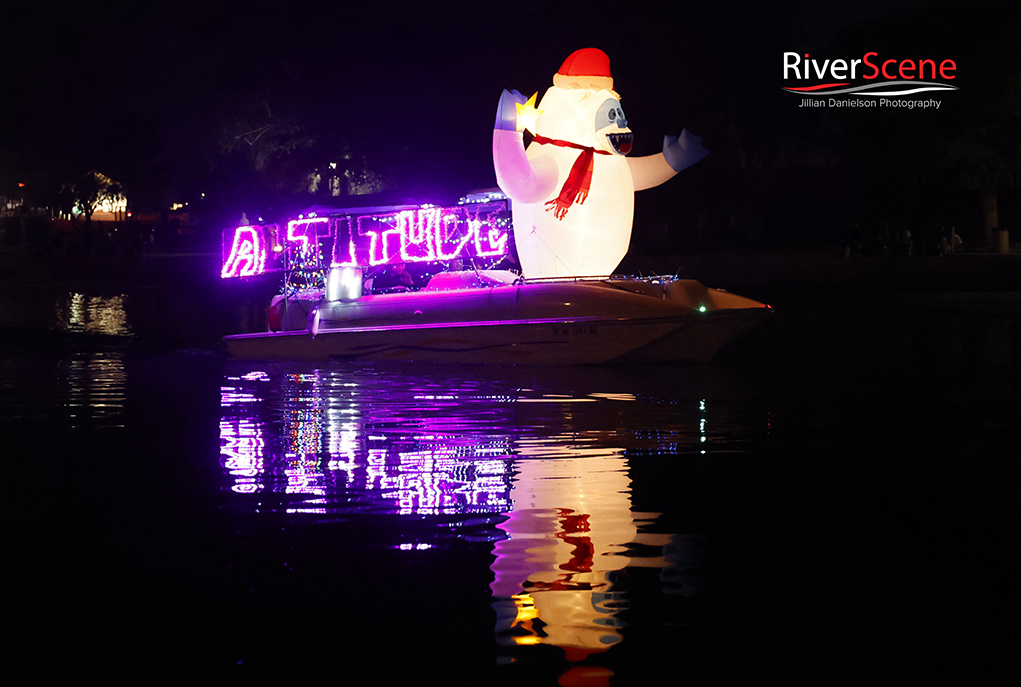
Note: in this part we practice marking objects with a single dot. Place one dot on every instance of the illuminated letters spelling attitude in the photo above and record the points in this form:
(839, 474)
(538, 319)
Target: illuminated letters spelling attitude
(428, 234)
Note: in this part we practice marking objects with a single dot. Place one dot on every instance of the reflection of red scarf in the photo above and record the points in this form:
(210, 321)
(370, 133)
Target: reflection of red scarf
(576, 187)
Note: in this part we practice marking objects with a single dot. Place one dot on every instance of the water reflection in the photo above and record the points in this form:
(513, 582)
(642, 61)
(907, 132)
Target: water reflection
(516, 464)
(81, 313)
(565, 535)
(74, 312)
(341, 448)
(95, 388)
(79, 389)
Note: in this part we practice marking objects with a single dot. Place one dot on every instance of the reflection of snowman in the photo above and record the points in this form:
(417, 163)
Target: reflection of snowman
(567, 534)
(570, 530)
(573, 189)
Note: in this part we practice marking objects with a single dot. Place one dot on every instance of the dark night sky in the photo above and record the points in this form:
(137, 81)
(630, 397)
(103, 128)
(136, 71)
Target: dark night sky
(109, 87)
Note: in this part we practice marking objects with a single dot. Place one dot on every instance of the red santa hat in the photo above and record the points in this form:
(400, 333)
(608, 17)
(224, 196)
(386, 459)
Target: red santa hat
(585, 68)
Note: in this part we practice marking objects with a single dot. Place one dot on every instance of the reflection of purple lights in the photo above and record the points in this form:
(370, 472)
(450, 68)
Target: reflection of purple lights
(229, 396)
(257, 376)
(304, 475)
(241, 450)
(433, 482)
(426, 234)
(331, 444)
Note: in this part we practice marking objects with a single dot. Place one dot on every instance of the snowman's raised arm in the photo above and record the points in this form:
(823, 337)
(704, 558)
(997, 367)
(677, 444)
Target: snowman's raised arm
(507, 110)
(650, 171)
(523, 180)
(679, 152)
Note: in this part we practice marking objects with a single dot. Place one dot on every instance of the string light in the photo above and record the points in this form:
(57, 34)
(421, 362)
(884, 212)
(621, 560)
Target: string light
(421, 235)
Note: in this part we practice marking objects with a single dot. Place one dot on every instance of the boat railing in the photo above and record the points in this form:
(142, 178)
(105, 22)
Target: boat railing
(652, 279)
(317, 293)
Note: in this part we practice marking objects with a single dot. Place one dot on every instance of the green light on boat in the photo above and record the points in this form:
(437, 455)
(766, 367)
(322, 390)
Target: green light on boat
(701, 308)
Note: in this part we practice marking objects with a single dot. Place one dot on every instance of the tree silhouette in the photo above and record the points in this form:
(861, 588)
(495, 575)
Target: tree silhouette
(84, 196)
(985, 151)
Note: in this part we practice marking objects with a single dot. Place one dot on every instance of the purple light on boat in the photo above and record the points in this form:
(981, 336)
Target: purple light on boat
(247, 255)
(304, 232)
(425, 234)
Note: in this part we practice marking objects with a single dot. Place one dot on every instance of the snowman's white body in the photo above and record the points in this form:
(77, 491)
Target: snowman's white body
(593, 235)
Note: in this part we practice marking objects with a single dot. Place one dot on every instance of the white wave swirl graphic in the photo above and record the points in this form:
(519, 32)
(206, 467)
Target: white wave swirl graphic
(873, 89)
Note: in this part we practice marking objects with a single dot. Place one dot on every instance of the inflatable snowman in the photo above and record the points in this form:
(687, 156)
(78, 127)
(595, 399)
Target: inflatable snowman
(572, 189)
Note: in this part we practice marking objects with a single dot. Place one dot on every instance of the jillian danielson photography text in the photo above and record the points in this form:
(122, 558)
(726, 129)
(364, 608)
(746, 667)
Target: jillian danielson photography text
(865, 102)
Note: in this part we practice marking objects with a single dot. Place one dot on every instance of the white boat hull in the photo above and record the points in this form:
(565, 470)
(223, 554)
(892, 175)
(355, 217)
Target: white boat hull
(560, 323)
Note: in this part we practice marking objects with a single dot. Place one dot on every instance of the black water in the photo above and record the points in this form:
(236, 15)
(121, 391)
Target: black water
(832, 500)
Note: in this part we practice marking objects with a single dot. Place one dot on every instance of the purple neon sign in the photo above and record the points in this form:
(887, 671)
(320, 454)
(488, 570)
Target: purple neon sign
(423, 234)
(247, 254)
(302, 233)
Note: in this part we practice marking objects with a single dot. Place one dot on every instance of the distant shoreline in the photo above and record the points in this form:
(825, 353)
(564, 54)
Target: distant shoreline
(771, 272)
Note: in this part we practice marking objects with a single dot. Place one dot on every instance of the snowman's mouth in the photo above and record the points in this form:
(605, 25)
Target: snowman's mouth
(621, 142)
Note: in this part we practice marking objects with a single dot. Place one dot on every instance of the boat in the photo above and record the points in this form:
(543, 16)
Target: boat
(478, 315)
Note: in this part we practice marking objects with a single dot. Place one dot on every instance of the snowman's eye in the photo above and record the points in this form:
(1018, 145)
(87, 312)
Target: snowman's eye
(610, 113)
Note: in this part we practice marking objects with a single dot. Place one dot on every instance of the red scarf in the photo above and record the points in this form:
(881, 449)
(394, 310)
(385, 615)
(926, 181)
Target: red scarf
(576, 187)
